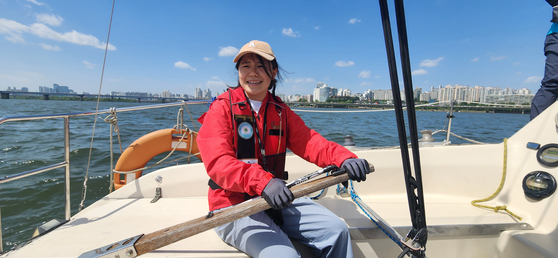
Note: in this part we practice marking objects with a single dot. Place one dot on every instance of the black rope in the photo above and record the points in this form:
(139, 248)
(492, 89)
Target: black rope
(409, 97)
(416, 203)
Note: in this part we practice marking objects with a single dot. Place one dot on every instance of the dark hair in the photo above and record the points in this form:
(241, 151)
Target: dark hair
(269, 71)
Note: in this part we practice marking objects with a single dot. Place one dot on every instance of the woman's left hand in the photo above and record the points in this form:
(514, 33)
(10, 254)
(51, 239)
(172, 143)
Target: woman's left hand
(356, 168)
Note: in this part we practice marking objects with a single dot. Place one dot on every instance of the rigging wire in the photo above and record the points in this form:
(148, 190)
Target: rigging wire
(84, 189)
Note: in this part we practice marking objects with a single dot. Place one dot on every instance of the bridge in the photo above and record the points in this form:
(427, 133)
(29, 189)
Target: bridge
(46, 96)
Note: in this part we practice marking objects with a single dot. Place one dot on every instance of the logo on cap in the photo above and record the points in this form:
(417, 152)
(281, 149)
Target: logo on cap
(252, 44)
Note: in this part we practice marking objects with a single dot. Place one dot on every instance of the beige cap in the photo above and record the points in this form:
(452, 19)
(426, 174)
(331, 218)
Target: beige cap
(257, 47)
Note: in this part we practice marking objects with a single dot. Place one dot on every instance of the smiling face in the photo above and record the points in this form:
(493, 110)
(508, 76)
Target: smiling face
(252, 76)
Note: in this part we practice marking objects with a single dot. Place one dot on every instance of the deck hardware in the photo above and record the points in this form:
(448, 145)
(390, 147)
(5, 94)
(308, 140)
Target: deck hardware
(349, 141)
(533, 145)
(426, 136)
(48, 226)
(547, 155)
(158, 195)
(343, 191)
(124, 248)
(539, 185)
(159, 179)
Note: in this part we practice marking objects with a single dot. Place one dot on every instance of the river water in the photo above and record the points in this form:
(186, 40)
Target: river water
(31, 201)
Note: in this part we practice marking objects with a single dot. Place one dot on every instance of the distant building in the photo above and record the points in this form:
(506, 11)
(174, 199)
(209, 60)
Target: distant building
(166, 94)
(61, 89)
(207, 94)
(198, 94)
(369, 95)
(383, 95)
(23, 89)
(322, 92)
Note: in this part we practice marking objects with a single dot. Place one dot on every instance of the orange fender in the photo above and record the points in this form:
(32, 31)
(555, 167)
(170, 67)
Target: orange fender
(148, 146)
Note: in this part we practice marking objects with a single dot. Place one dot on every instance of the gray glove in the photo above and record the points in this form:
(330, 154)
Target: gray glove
(277, 194)
(356, 169)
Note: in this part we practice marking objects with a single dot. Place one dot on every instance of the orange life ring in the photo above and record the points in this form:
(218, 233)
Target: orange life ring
(148, 146)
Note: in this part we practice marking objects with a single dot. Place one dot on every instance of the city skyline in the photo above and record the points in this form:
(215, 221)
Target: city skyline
(323, 92)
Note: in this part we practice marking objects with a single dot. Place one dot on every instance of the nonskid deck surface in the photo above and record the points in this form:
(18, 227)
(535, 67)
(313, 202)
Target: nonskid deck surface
(117, 219)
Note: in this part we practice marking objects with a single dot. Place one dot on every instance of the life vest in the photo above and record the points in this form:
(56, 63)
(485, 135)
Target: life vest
(266, 145)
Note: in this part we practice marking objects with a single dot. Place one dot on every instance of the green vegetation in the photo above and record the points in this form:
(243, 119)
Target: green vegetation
(71, 98)
(342, 99)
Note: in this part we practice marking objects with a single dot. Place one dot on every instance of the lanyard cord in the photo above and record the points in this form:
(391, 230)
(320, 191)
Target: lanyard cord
(259, 139)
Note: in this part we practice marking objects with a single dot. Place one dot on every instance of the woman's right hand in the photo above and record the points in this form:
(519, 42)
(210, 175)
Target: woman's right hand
(277, 194)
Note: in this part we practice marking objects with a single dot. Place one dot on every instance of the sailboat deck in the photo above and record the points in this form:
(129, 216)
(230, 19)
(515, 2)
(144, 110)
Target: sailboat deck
(116, 219)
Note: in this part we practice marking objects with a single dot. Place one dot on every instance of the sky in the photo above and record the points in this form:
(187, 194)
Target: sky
(183, 45)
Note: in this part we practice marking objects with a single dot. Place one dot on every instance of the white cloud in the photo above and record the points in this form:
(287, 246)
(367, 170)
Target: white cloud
(475, 60)
(377, 76)
(88, 65)
(431, 63)
(354, 20)
(215, 78)
(183, 65)
(365, 83)
(289, 32)
(207, 59)
(228, 51)
(533, 79)
(300, 80)
(13, 78)
(419, 72)
(15, 30)
(317, 27)
(50, 19)
(496, 58)
(49, 47)
(35, 2)
(364, 74)
(304, 80)
(344, 63)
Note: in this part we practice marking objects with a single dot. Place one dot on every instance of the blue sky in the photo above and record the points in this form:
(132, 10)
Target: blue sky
(183, 45)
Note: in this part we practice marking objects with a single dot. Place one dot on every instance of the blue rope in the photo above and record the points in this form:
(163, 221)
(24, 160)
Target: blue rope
(318, 196)
(354, 197)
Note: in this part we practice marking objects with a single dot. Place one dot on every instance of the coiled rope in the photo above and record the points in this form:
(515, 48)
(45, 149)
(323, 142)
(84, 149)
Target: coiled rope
(499, 207)
(113, 120)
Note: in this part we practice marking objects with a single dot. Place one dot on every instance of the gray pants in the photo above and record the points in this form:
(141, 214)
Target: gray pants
(304, 220)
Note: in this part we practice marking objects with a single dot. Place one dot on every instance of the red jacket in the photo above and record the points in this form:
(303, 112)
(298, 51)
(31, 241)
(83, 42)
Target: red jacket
(217, 143)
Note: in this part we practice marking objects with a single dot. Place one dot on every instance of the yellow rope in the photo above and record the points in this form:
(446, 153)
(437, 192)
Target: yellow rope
(500, 207)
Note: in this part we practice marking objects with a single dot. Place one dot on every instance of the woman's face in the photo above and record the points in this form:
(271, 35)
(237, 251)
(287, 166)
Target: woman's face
(252, 76)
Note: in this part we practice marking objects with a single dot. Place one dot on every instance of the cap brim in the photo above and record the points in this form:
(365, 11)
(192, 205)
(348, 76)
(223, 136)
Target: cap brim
(262, 54)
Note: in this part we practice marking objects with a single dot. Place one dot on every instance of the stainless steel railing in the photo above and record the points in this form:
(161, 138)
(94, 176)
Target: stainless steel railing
(66, 163)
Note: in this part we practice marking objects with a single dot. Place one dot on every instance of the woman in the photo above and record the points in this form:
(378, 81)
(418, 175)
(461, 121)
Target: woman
(243, 141)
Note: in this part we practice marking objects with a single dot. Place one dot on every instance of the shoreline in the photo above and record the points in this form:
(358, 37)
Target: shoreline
(461, 109)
